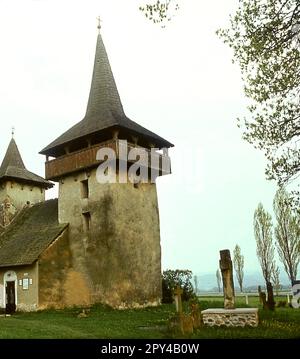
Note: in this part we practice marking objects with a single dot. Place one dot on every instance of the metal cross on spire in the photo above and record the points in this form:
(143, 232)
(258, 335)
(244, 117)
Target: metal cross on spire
(99, 23)
(12, 132)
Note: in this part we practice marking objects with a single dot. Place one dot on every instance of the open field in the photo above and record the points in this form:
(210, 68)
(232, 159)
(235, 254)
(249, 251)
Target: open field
(103, 322)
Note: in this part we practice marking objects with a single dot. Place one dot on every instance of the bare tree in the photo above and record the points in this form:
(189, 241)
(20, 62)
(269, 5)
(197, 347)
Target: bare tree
(265, 37)
(238, 263)
(196, 284)
(264, 242)
(218, 275)
(160, 11)
(275, 279)
(287, 234)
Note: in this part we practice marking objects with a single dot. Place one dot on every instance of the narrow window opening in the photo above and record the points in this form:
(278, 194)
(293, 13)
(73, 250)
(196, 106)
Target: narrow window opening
(85, 189)
(87, 221)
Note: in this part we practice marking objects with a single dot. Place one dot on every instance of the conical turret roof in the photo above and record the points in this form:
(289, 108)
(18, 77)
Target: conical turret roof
(104, 109)
(13, 167)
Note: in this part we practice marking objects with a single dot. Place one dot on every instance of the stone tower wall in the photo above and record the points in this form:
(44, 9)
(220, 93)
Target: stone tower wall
(119, 255)
(21, 193)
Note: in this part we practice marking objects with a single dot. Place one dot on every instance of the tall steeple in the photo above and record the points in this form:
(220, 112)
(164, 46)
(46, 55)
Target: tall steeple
(114, 232)
(104, 96)
(13, 167)
(104, 99)
(104, 112)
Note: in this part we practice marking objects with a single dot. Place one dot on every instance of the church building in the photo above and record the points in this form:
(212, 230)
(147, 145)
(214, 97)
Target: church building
(98, 242)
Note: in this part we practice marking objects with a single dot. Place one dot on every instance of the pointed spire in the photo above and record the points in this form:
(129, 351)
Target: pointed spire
(104, 96)
(12, 157)
(13, 167)
(104, 110)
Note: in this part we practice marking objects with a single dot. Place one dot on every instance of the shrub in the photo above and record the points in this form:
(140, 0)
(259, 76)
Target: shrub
(173, 278)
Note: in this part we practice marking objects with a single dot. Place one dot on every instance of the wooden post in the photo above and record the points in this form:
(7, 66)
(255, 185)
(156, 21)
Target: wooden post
(247, 299)
(259, 293)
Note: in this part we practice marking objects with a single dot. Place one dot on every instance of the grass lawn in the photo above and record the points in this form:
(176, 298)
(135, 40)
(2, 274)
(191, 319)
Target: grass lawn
(106, 323)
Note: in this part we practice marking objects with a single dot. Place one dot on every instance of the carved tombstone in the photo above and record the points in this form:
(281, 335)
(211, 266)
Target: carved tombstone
(270, 303)
(181, 323)
(227, 277)
(178, 302)
(262, 297)
(7, 212)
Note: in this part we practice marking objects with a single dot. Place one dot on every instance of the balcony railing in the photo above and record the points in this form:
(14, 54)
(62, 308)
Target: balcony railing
(87, 158)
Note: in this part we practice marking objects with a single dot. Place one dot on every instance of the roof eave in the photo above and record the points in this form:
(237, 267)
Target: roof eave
(25, 263)
(64, 226)
(52, 151)
(46, 184)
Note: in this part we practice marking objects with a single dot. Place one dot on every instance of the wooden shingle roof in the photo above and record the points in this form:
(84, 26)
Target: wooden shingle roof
(13, 167)
(32, 231)
(104, 109)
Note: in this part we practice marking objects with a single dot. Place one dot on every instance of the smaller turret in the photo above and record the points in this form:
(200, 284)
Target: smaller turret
(18, 186)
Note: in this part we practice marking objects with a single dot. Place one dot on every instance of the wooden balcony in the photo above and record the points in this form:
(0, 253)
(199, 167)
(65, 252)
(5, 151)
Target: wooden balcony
(86, 159)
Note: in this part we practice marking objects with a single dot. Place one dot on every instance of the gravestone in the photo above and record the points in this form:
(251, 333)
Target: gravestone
(227, 278)
(178, 302)
(267, 303)
(181, 323)
(229, 316)
(262, 297)
(196, 315)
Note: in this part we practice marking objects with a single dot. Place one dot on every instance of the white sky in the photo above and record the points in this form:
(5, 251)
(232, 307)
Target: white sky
(179, 82)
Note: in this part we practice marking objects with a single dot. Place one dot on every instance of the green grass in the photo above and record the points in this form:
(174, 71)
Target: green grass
(283, 323)
(107, 323)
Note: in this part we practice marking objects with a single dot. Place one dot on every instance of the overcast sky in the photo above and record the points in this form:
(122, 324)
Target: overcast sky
(178, 82)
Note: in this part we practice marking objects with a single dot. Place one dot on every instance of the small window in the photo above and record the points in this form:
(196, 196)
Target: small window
(85, 189)
(25, 284)
(87, 221)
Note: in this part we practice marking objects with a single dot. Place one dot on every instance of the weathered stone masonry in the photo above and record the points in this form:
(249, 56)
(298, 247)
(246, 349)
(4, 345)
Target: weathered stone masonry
(96, 243)
(230, 317)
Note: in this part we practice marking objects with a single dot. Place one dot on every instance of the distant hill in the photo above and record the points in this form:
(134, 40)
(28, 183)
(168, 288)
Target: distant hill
(208, 281)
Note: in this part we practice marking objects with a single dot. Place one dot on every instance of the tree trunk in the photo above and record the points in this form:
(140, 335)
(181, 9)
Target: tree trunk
(270, 302)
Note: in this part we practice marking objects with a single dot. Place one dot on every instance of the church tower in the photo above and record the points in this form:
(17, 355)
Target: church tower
(18, 186)
(113, 227)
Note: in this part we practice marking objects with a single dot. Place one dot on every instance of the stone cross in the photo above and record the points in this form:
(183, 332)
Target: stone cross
(227, 277)
(99, 23)
(178, 302)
